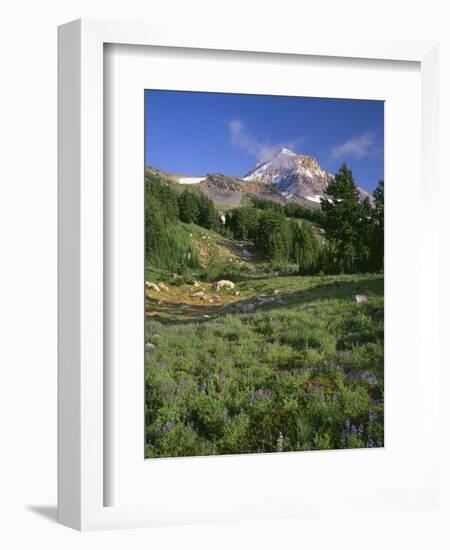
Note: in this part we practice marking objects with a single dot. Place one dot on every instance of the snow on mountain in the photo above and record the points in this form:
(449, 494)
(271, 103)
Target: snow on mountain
(300, 178)
(283, 177)
(191, 181)
(315, 198)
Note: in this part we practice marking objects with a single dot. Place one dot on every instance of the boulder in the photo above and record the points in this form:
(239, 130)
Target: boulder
(360, 298)
(152, 286)
(198, 294)
(224, 284)
(163, 286)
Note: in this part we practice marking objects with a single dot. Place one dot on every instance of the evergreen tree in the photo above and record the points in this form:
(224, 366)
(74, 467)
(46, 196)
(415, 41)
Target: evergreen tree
(306, 249)
(208, 216)
(188, 206)
(243, 222)
(295, 210)
(345, 222)
(377, 244)
(167, 246)
(164, 193)
(274, 236)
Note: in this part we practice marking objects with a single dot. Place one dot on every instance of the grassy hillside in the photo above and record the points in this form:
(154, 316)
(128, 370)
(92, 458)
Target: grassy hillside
(277, 363)
(225, 191)
(250, 347)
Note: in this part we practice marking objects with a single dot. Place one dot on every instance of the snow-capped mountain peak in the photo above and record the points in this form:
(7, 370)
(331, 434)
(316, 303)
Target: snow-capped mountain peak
(299, 177)
(287, 152)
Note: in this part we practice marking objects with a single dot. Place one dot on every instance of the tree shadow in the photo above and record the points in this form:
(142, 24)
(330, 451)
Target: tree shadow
(336, 290)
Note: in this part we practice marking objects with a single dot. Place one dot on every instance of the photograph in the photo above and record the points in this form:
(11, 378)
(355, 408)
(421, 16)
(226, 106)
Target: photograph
(264, 274)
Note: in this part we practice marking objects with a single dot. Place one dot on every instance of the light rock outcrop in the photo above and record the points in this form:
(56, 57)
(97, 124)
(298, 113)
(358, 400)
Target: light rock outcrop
(152, 286)
(224, 284)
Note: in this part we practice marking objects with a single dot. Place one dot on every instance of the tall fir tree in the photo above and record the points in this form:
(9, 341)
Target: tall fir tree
(378, 224)
(345, 222)
(274, 236)
(306, 249)
(188, 205)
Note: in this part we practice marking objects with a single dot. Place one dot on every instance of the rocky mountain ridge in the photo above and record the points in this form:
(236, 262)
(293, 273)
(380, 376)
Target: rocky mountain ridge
(299, 178)
(283, 177)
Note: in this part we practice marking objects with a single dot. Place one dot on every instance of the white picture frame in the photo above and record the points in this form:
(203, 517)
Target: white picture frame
(82, 395)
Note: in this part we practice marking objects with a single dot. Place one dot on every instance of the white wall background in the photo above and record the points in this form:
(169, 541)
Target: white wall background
(28, 269)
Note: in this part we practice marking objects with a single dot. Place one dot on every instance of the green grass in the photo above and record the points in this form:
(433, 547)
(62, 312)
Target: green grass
(302, 371)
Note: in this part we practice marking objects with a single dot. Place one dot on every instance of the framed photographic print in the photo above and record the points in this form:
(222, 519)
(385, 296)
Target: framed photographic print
(264, 285)
(235, 301)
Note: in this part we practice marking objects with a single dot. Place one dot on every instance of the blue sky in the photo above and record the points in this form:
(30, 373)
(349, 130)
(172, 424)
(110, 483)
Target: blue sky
(193, 134)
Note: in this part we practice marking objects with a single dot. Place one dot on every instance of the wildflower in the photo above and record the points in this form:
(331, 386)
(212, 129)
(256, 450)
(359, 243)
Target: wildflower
(226, 417)
(258, 395)
(168, 426)
(280, 443)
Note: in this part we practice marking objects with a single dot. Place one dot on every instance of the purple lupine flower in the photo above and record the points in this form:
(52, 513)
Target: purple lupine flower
(351, 430)
(280, 442)
(226, 417)
(346, 431)
(259, 395)
(336, 366)
(168, 426)
(368, 377)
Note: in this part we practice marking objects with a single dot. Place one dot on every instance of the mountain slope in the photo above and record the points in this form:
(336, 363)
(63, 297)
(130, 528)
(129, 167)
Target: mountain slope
(227, 191)
(300, 178)
(224, 191)
(283, 177)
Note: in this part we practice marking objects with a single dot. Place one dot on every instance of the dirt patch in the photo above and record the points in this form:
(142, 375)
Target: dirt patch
(188, 302)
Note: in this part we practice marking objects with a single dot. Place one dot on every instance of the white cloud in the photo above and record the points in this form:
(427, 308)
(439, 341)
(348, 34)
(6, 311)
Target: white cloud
(357, 147)
(241, 138)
